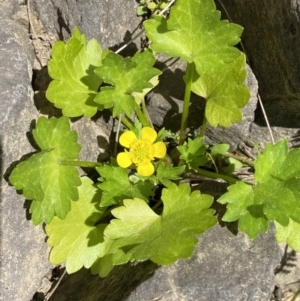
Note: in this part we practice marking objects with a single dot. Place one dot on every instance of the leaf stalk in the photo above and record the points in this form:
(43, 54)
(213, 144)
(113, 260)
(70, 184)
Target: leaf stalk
(214, 175)
(142, 117)
(204, 123)
(186, 101)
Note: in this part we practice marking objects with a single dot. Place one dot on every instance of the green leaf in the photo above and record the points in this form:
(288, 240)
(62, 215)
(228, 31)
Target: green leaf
(241, 206)
(166, 238)
(77, 240)
(116, 186)
(126, 77)
(193, 152)
(167, 173)
(140, 96)
(289, 234)
(270, 161)
(219, 149)
(195, 33)
(49, 184)
(225, 93)
(233, 164)
(141, 10)
(75, 84)
(275, 195)
(105, 264)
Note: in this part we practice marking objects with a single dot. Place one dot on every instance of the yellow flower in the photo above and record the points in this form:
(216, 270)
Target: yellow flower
(141, 151)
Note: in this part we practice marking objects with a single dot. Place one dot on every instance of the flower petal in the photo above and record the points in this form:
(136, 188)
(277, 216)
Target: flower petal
(145, 169)
(149, 134)
(127, 138)
(158, 149)
(124, 159)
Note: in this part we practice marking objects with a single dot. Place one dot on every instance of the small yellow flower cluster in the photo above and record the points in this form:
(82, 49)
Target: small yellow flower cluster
(141, 151)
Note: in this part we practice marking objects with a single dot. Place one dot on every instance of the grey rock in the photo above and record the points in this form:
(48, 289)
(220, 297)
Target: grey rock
(261, 135)
(110, 22)
(224, 267)
(82, 286)
(23, 251)
(94, 138)
(288, 273)
(271, 41)
(8, 8)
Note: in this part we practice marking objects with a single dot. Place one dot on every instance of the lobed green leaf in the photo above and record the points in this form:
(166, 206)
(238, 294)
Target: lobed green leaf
(195, 33)
(116, 186)
(275, 195)
(126, 77)
(75, 83)
(78, 240)
(289, 234)
(42, 178)
(165, 174)
(166, 238)
(225, 93)
(193, 152)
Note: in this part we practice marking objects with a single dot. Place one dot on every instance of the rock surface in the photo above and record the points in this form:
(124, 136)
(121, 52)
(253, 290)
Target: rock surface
(224, 267)
(272, 43)
(23, 253)
(112, 23)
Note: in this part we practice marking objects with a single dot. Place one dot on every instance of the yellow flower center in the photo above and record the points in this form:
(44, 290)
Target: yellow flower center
(140, 151)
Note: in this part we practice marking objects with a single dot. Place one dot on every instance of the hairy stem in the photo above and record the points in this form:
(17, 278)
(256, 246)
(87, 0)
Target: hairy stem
(186, 102)
(88, 164)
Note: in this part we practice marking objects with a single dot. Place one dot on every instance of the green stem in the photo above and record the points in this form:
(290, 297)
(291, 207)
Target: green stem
(88, 164)
(204, 123)
(214, 175)
(127, 123)
(156, 205)
(143, 119)
(186, 102)
(240, 158)
(146, 112)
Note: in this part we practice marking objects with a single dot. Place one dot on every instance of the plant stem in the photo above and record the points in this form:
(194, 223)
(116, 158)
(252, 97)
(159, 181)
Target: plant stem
(240, 158)
(146, 112)
(214, 175)
(156, 205)
(204, 123)
(127, 123)
(143, 119)
(186, 102)
(88, 164)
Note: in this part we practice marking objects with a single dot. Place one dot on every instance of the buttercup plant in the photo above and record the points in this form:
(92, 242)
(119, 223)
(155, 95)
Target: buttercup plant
(124, 217)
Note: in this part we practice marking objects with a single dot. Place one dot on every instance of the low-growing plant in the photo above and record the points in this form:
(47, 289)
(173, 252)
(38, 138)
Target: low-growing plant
(142, 206)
